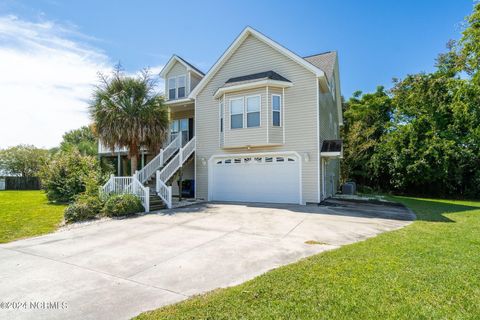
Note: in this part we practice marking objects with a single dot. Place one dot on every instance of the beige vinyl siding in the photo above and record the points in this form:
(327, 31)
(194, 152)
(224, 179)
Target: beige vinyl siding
(194, 80)
(246, 136)
(327, 131)
(182, 114)
(300, 112)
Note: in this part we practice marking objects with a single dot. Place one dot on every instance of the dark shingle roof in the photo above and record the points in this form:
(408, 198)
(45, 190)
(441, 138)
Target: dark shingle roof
(324, 61)
(332, 146)
(191, 65)
(271, 75)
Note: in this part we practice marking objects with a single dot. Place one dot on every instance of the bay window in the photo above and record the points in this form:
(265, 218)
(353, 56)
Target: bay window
(276, 109)
(236, 113)
(253, 111)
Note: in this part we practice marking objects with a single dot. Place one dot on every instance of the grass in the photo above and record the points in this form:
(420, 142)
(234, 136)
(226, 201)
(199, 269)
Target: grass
(427, 270)
(26, 214)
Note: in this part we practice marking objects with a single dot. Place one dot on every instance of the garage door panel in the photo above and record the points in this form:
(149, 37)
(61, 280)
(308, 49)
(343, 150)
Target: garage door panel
(276, 182)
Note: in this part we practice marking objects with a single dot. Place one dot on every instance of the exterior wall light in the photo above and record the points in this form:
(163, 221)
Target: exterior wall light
(204, 161)
(306, 156)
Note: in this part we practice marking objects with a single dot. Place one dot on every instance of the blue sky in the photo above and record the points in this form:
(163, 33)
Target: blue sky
(376, 41)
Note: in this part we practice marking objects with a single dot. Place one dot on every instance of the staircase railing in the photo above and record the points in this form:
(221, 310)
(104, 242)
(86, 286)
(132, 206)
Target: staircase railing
(156, 163)
(164, 191)
(128, 185)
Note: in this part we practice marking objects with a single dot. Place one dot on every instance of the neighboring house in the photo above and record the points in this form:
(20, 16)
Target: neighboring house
(261, 126)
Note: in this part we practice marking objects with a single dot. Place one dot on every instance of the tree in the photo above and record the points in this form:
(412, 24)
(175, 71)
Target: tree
(83, 139)
(469, 45)
(366, 119)
(128, 113)
(22, 160)
(68, 174)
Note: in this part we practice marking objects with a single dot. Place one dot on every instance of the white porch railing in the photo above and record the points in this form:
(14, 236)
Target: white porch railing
(164, 191)
(159, 160)
(128, 185)
(134, 185)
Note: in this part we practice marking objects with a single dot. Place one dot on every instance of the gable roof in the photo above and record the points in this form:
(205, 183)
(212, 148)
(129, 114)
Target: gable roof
(185, 63)
(238, 41)
(324, 61)
(271, 75)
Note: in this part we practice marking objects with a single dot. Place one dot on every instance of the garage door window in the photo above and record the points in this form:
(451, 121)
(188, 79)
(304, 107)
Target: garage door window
(257, 160)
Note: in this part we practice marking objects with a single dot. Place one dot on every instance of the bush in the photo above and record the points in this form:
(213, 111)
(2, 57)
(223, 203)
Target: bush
(68, 174)
(122, 205)
(79, 211)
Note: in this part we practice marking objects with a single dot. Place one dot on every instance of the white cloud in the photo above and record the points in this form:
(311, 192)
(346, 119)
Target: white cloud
(46, 80)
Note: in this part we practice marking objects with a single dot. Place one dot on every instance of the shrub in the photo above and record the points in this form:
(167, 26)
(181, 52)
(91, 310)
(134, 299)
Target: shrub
(67, 175)
(86, 206)
(79, 211)
(122, 205)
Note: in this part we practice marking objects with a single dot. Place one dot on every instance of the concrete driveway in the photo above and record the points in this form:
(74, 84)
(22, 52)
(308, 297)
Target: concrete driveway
(119, 268)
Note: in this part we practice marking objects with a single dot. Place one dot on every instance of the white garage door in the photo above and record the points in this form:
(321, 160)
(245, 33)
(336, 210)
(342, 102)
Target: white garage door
(256, 179)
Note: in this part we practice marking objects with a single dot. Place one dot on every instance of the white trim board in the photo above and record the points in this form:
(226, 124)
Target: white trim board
(234, 46)
(171, 63)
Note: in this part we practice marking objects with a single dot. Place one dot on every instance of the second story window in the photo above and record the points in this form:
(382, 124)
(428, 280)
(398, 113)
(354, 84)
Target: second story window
(276, 110)
(253, 111)
(181, 87)
(172, 89)
(177, 87)
(221, 116)
(236, 113)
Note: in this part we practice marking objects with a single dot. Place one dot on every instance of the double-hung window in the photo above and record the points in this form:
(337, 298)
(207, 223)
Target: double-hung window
(172, 89)
(177, 87)
(236, 113)
(221, 116)
(276, 109)
(253, 111)
(181, 87)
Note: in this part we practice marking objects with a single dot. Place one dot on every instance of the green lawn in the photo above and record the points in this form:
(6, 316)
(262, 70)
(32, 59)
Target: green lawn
(427, 270)
(26, 214)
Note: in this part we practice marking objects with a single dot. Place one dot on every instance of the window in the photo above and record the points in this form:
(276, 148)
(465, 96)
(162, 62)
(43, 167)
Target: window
(181, 87)
(276, 110)
(236, 113)
(253, 111)
(221, 116)
(172, 89)
(177, 87)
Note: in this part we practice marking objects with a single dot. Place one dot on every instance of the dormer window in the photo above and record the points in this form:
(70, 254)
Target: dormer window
(181, 87)
(176, 87)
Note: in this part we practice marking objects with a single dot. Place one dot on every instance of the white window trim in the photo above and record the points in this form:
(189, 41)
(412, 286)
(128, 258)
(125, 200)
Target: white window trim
(245, 124)
(221, 116)
(176, 78)
(279, 111)
(185, 86)
(230, 111)
(168, 88)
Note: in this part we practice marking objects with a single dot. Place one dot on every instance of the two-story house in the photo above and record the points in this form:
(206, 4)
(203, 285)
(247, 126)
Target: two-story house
(262, 125)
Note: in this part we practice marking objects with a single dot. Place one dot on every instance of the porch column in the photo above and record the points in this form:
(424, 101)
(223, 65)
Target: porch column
(143, 159)
(119, 165)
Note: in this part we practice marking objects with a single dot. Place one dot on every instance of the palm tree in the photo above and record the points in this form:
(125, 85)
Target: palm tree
(127, 112)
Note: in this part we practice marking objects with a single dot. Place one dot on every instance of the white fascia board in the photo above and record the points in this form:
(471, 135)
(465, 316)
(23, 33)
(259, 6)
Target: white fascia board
(172, 61)
(231, 49)
(185, 100)
(252, 85)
